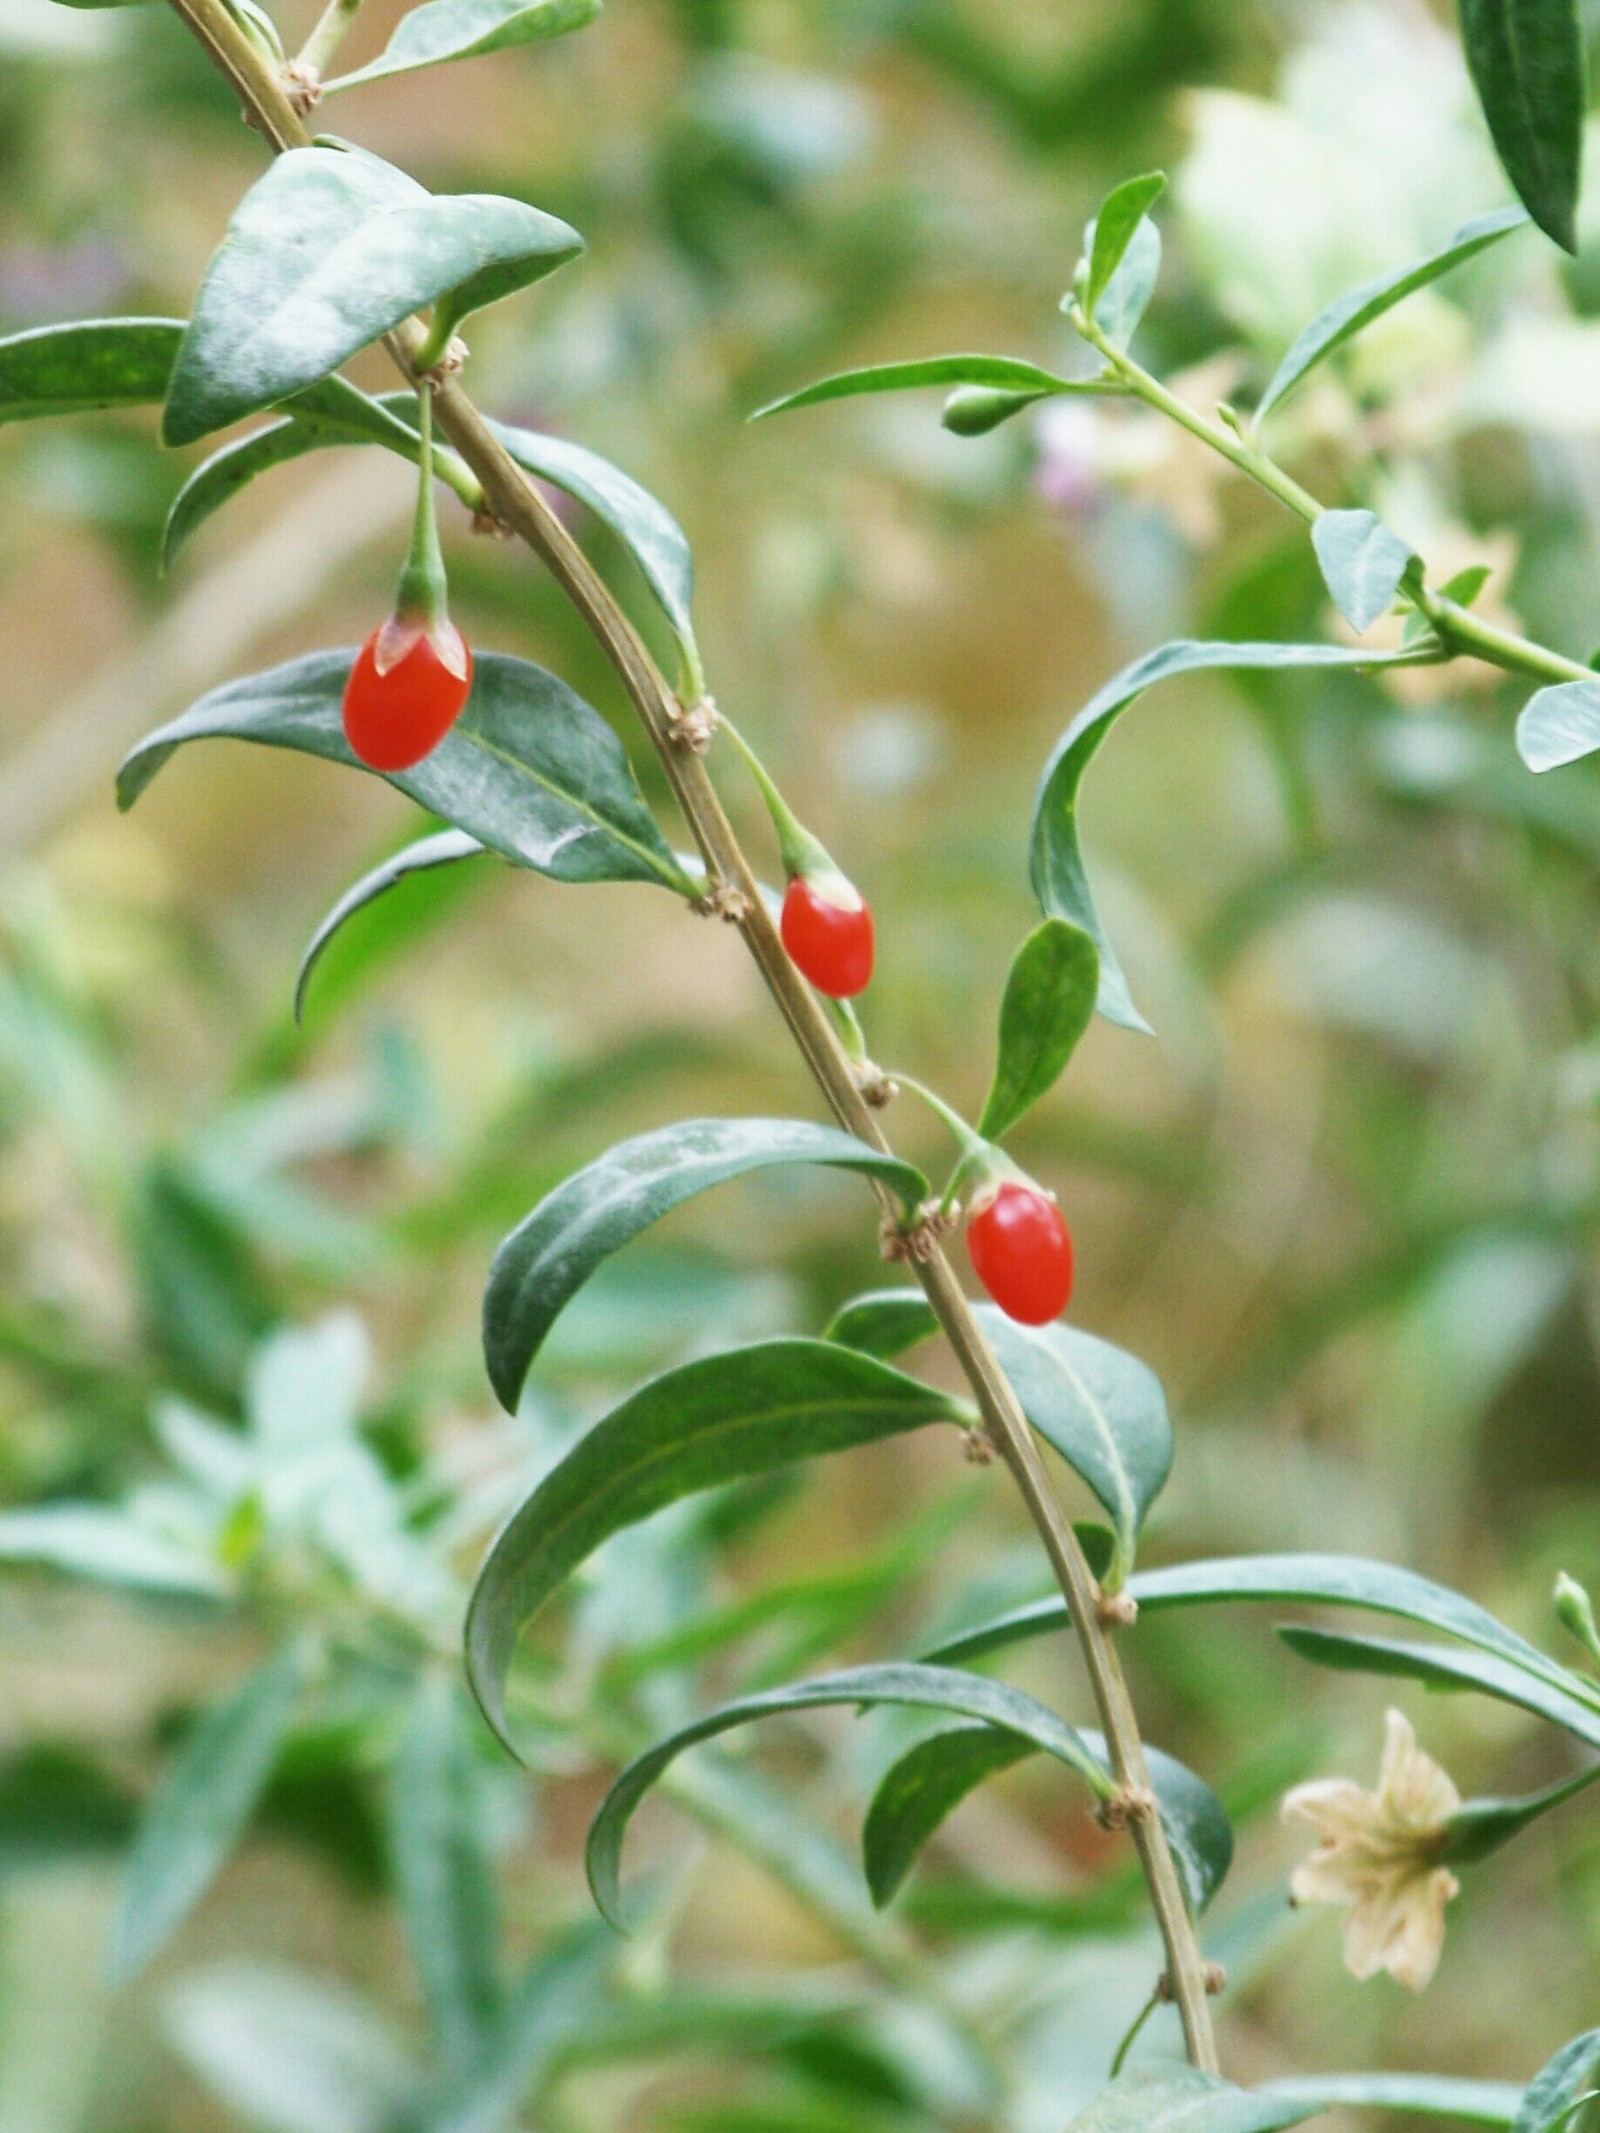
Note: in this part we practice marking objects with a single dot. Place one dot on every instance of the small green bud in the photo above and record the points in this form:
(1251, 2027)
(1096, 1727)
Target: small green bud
(1575, 1612)
(974, 410)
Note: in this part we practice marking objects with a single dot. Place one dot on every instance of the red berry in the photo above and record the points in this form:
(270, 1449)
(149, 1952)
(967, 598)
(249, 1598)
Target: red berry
(830, 943)
(1021, 1250)
(397, 712)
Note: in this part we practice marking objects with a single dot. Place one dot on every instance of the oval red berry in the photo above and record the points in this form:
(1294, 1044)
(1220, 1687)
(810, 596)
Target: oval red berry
(1021, 1250)
(830, 945)
(393, 720)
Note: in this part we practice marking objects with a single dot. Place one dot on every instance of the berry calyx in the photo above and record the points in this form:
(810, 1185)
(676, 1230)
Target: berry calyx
(828, 933)
(1021, 1250)
(406, 690)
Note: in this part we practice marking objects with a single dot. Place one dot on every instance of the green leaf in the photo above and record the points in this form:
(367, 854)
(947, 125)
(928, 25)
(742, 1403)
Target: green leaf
(560, 1996)
(549, 1256)
(723, 1418)
(1130, 289)
(1559, 2085)
(328, 250)
(927, 1688)
(885, 1323)
(101, 362)
(331, 412)
(202, 1807)
(1438, 1666)
(1319, 1580)
(1112, 231)
(90, 1540)
(975, 410)
(1002, 373)
(1559, 724)
(916, 1795)
(1180, 2099)
(1049, 1001)
(528, 769)
(443, 848)
(1055, 861)
(461, 29)
(1466, 585)
(1362, 563)
(1480, 1827)
(1484, 2103)
(1350, 314)
(1526, 60)
(442, 1871)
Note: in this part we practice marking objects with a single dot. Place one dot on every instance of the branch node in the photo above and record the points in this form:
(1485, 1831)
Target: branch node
(690, 726)
(915, 1241)
(486, 520)
(1130, 1807)
(725, 900)
(1212, 1975)
(1117, 1610)
(302, 86)
(455, 355)
(978, 1448)
(878, 1089)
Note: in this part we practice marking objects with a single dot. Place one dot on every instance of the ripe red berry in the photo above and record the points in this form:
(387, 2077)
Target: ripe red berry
(405, 692)
(831, 942)
(1021, 1250)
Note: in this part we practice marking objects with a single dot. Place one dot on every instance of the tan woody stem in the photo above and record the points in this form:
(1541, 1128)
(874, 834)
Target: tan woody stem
(512, 499)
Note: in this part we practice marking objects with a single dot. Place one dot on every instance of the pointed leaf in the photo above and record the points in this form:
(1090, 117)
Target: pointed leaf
(1558, 2085)
(1112, 230)
(927, 1688)
(1526, 58)
(1362, 563)
(528, 768)
(550, 1255)
(1055, 861)
(461, 29)
(1439, 1666)
(442, 849)
(1484, 2103)
(92, 1540)
(884, 1323)
(1180, 2099)
(1350, 314)
(101, 362)
(1559, 724)
(1128, 293)
(1049, 1003)
(723, 1418)
(202, 1808)
(1319, 1580)
(916, 1795)
(442, 1871)
(328, 250)
(1004, 373)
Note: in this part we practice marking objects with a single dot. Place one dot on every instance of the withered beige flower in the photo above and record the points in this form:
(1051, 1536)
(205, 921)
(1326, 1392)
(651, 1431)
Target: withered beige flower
(1379, 1857)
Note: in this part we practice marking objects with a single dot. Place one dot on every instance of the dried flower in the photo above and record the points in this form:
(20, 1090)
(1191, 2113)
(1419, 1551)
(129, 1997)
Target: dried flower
(1379, 1857)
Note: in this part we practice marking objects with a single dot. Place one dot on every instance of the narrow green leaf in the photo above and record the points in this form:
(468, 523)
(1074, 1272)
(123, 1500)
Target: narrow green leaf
(720, 1419)
(1480, 1827)
(442, 849)
(1113, 228)
(1484, 2103)
(1002, 373)
(1319, 1580)
(916, 1795)
(1438, 1666)
(1558, 2085)
(561, 1994)
(884, 1323)
(548, 1257)
(91, 1540)
(1559, 725)
(328, 250)
(1466, 585)
(202, 1807)
(101, 362)
(1362, 563)
(461, 29)
(927, 1688)
(1127, 295)
(1049, 1003)
(529, 769)
(1350, 314)
(1526, 60)
(1180, 2099)
(1055, 861)
(442, 1871)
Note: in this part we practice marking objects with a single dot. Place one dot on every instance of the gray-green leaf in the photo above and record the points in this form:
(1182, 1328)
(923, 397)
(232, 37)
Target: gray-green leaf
(1484, 2103)
(1438, 1666)
(102, 362)
(885, 1322)
(927, 1688)
(720, 1419)
(1180, 2099)
(443, 848)
(91, 1540)
(529, 769)
(461, 29)
(1559, 2084)
(1559, 725)
(1526, 58)
(1362, 563)
(1055, 860)
(328, 250)
(1048, 1004)
(1348, 315)
(550, 1255)
(201, 1808)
